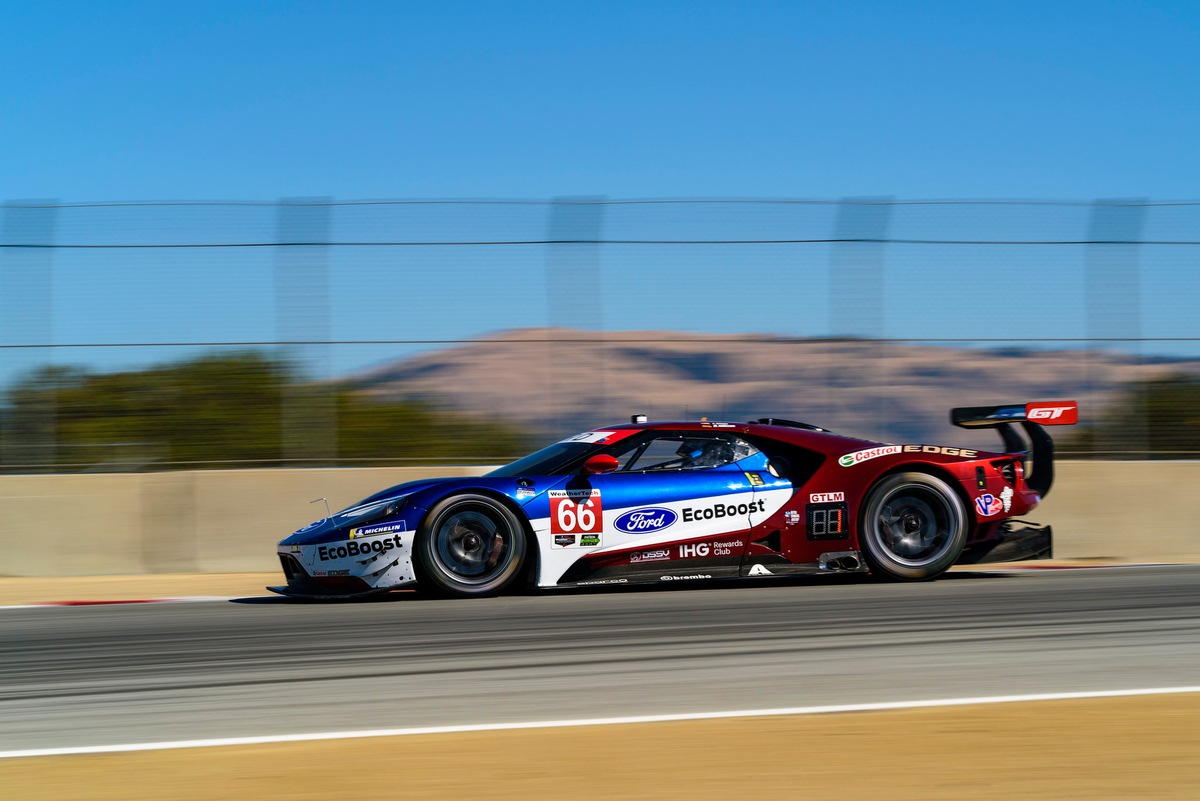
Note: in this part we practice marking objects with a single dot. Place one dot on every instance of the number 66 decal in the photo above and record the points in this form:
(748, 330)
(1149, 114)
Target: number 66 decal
(576, 512)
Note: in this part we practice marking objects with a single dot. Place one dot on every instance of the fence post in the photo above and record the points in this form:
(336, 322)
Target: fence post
(309, 413)
(27, 320)
(1113, 297)
(575, 308)
(857, 303)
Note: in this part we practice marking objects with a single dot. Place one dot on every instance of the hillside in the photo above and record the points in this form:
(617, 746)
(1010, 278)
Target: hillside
(558, 381)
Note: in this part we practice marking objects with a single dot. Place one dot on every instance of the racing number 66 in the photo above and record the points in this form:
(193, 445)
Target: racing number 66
(575, 511)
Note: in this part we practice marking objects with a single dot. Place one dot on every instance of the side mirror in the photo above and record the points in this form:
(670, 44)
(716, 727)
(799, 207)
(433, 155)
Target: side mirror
(600, 463)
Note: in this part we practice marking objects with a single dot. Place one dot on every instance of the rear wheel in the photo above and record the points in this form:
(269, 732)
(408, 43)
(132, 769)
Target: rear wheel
(914, 527)
(470, 545)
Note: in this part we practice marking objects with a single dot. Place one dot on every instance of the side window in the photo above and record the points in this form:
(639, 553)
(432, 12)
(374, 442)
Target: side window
(684, 450)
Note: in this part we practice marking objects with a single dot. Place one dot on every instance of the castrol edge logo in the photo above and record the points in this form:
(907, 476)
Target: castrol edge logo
(858, 457)
(1053, 413)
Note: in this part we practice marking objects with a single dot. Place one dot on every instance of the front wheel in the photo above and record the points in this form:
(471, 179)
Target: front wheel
(914, 527)
(470, 545)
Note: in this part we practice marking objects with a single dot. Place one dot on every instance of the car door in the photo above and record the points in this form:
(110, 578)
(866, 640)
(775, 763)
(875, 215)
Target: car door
(679, 503)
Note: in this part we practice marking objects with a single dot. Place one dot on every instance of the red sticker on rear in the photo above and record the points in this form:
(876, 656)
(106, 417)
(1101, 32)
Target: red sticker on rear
(1053, 413)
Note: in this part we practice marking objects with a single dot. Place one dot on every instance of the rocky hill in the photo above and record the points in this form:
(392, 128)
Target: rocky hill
(558, 381)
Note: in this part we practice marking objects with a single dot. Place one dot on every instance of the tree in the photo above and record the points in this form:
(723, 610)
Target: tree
(225, 410)
(1158, 419)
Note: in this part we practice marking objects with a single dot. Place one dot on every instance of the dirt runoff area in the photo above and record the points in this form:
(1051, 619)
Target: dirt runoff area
(15, 591)
(1113, 748)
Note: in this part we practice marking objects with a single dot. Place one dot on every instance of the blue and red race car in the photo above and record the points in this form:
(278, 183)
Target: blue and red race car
(685, 501)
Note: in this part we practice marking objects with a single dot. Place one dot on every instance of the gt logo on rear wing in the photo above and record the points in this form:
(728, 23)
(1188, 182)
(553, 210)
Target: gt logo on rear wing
(1030, 417)
(1045, 413)
(1062, 413)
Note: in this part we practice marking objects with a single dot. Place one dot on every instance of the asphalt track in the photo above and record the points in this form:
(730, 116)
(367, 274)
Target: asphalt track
(78, 676)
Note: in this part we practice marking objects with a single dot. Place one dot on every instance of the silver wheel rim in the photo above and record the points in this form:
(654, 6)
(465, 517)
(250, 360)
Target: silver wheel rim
(471, 546)
(914, 525)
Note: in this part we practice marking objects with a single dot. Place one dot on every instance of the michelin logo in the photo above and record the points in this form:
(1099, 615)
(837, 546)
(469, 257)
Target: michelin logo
(374, 531)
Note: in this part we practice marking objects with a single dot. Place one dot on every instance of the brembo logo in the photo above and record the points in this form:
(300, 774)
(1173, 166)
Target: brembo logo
(643, 521)
(1061, 413)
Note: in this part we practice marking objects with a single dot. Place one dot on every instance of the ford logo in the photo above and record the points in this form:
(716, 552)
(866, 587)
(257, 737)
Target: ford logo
(645, 521)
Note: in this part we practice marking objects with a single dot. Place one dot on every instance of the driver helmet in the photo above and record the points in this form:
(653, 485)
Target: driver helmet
(706, 452)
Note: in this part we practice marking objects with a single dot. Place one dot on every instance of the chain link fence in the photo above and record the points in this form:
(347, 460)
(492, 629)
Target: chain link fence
(867, 315)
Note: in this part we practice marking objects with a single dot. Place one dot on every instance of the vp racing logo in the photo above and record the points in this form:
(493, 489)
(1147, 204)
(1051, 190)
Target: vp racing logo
(646, 521)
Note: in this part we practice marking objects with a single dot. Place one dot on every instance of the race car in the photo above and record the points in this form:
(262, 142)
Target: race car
(654, 502)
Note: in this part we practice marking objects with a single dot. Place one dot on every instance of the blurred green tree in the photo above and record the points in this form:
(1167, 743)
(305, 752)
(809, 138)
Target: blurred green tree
(1156, 419)
(225, 410)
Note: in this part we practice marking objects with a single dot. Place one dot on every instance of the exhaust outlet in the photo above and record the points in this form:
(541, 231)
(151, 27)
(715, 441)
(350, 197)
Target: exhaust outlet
(842, 561)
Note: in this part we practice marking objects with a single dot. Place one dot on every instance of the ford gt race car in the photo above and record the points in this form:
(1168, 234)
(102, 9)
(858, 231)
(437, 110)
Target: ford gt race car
(652, 502)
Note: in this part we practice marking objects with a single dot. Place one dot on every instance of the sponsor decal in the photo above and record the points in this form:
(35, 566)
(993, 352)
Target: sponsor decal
(705, 549)
(589, 540)
(683, 578)
(650, 556)
(1006, 496)
(720, 510)
(564, 540)
(760, 570)
(1056, 413)
(791, 517)
(963, 452)
(375, 531)
(576, 512)
(602, 581)
(755, 479)
(718, 425)
(826, 497)
(827, 521)
(338, 572)
(525, 492)
(988, 504)
(600, 437)
(645, 521)
(317, 573)
(858, 457)
(328, 553)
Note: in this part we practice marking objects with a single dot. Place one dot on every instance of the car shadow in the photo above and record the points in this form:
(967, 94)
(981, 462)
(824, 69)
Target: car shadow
(841, 579)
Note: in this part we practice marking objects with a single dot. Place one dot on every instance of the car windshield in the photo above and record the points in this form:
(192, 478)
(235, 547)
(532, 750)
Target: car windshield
(545, 462)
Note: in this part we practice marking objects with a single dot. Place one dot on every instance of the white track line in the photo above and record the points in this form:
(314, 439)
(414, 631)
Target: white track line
(548, 724)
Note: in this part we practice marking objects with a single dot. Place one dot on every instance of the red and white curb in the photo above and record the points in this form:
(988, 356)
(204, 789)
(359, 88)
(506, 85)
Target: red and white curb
(549, 724)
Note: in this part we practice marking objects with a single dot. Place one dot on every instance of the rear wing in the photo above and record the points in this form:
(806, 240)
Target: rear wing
(1031, 417)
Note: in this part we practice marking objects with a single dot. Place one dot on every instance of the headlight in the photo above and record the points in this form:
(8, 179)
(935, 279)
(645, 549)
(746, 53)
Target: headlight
(373, 511)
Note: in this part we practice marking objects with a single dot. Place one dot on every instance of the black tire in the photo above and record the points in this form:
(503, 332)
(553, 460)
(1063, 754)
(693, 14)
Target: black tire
(914, 527)
(470, 545)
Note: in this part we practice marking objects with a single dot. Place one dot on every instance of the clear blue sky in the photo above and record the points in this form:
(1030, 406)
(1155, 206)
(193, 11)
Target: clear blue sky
(103, 101)
(255, 100)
